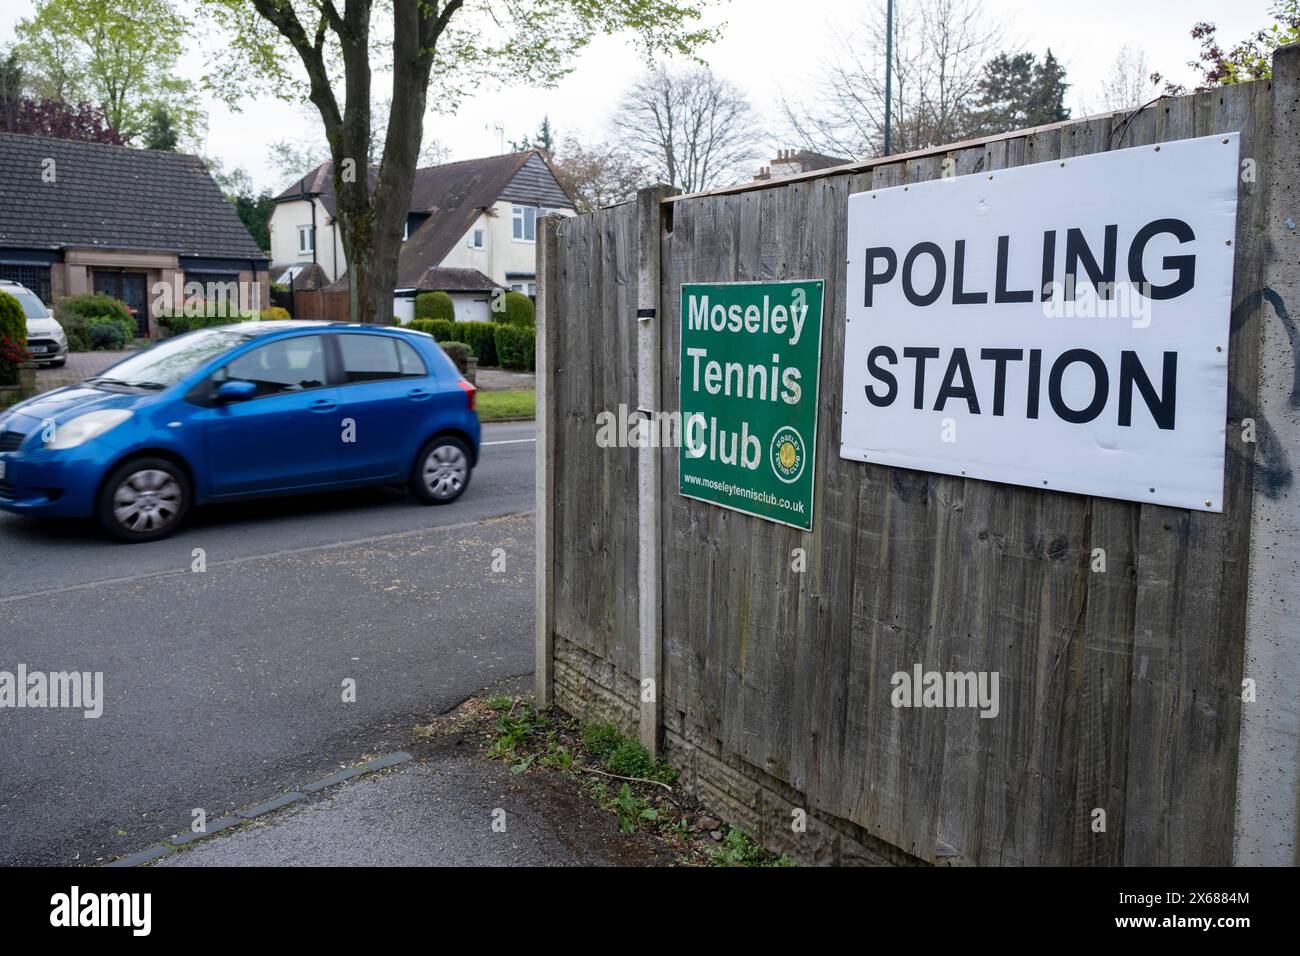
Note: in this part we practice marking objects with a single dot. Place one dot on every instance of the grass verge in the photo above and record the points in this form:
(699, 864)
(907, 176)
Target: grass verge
(510, 403)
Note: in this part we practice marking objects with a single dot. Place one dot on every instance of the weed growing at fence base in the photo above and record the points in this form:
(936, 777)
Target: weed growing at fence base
(620, 776)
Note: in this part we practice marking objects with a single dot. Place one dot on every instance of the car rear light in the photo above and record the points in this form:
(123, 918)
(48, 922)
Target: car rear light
(469, 391)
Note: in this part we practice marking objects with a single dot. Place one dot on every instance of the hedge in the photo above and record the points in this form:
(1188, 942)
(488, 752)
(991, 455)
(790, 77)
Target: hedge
(435, 305)
(459, 353)
(516, 346)
(519, 310)
(275, 314)
(441, 329)
(180, 324)
(481, 338)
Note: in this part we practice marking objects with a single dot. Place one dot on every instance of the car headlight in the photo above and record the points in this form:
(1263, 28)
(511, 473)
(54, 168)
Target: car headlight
(83, 428)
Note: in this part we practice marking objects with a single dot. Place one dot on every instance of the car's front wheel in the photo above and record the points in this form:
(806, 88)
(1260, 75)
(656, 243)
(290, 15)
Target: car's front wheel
(442, 470)
(144, 499)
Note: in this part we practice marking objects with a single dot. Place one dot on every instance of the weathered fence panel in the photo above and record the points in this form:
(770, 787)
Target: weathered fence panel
(1121, 691)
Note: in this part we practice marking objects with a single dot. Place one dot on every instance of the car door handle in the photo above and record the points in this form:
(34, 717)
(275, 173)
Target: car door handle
(323, 405)
(419, 394)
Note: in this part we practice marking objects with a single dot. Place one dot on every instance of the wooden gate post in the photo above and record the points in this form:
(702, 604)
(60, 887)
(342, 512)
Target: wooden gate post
(548, 319)
(649, 228)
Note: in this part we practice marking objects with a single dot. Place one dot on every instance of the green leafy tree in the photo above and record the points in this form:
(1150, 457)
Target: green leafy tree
(160, 134)
(254, 208)
(543, 139)
(11, 88)
(452, 45)
(1017, 91)
(1047, 105)
(122, 55)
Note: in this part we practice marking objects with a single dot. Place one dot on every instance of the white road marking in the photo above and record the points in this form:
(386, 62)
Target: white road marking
(510, 441)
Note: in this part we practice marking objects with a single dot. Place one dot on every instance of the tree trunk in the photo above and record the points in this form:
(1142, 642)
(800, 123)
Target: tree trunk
(370, 225)
(373, 224)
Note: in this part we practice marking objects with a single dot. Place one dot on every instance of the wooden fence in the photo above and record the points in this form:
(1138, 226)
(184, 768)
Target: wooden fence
(320, 306)
(1121, 691)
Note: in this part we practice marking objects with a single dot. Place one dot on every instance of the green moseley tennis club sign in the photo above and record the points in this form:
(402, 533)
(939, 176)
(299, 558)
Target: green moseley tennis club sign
(750, 357)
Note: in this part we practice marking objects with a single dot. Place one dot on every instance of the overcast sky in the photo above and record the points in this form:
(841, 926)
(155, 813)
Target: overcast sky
(769, 47)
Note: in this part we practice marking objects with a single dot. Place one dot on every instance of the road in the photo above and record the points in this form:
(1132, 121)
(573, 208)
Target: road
(225, 687)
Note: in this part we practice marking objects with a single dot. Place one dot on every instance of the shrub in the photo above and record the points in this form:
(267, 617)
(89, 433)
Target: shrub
(12, 355)
(435, 305)
(78, 313)
(519, 310)
(201, 315)
(481, 338)
(441, 329)
(13, 338)
(515, 346)
(275, 314)
(13, 320)
(459, 353)
(106, 334)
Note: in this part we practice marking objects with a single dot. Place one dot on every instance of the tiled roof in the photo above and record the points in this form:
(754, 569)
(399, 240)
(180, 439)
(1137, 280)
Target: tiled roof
(113, 197)
(453, 280)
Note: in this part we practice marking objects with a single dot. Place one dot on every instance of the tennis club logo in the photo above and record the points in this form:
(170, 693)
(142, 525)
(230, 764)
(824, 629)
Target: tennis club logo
(788, 454)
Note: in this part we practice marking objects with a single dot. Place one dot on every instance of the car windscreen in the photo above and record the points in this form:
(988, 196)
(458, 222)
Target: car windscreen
(33, 307)
(172, 359)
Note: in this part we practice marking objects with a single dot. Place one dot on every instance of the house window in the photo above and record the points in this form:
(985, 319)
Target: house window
(527, 288)
(36, 278)
(477, 239)
(525, 223)
(306, 239)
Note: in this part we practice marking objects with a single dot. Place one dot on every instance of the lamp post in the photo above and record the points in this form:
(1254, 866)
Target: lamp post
(889, 70)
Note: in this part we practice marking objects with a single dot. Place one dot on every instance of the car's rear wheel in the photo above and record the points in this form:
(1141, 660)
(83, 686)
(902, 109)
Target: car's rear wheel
(144, 499)
(442, 471)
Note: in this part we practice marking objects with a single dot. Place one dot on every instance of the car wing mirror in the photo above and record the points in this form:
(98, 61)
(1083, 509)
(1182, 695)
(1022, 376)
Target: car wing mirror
(236, 391)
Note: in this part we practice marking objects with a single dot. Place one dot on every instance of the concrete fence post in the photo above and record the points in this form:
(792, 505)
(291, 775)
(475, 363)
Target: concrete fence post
(649, 514)
(548, 320)
(1268, 775)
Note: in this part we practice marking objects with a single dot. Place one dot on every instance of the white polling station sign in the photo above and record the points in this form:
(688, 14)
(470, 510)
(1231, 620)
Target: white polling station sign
(1062, 325)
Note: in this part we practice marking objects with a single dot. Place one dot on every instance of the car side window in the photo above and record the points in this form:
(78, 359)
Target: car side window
(286, 365)
(377, 358)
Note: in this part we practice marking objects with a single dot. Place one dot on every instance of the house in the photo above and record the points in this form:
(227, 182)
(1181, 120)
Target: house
(140, 225)
(471, 230)
(790, 162)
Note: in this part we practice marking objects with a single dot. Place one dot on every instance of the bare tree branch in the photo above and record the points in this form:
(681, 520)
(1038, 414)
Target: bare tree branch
(694, 129)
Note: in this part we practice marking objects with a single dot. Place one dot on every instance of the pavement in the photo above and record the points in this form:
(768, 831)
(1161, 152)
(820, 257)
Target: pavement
(501, 380)
(225, 687)
(449, 806)
(80, 366)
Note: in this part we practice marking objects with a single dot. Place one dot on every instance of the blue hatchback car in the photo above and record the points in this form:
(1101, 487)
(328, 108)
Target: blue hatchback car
(237, 411)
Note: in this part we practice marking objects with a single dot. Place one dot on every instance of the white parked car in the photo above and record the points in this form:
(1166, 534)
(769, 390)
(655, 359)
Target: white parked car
(46, 342)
